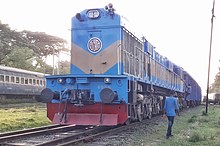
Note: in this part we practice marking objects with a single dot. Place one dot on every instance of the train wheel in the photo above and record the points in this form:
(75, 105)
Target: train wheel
(139, 113)
(128, 121)
(149, 115)
(145, 111)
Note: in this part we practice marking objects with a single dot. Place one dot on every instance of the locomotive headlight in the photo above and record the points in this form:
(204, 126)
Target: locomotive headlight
(69, 81)
(107, 80)
(94, 45)
(92, 14)
(60, 80)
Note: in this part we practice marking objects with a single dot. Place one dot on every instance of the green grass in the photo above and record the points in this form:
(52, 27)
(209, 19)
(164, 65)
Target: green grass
(192, 128)
(196, 128)
(21, 117)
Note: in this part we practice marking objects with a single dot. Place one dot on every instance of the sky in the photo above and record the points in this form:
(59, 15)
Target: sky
(179, 29)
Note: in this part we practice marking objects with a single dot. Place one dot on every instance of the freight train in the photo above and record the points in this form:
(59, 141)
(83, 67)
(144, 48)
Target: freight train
(115, 76)
(17, 83)
(213, 98)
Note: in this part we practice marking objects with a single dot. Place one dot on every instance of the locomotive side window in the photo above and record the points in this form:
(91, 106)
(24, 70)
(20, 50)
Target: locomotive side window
(6, 78)
(17, 80)
(2, 78)
(12, 79)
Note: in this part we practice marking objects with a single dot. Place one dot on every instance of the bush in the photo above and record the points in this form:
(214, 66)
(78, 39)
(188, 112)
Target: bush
(204, 113)
(204, 120)
(192, 119)
(196, 137)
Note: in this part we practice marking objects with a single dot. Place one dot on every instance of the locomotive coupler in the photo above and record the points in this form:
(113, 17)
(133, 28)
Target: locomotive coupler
(80, 104)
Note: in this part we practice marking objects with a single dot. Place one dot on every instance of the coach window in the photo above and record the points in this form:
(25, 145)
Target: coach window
(22, 80)
(1, 78)
(34, 82)
(17, 80)
(6, 78)
(30, 81)
(12, 79)
(26, 81)
(41, 83)
(37, 82)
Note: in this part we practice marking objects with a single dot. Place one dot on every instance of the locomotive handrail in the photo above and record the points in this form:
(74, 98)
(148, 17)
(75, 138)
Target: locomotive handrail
(134, 85)
(119, 58)
(126, 52)
(127, 56)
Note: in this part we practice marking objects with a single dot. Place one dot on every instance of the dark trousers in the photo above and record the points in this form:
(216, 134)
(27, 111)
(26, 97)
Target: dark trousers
(170, 124)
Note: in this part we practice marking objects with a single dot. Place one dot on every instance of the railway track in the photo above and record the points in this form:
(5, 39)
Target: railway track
(53, 135)
(99, 132)
(35, 136)
(57, 135)
(60, 136)
(116, 131)
(10, 134)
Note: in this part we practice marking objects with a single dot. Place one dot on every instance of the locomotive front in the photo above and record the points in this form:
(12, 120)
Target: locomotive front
(96, 92)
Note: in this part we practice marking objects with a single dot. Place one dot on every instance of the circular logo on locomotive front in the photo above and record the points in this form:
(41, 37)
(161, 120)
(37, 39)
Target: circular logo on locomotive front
(94, 45)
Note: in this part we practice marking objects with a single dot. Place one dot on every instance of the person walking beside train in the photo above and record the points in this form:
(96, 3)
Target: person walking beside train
(170, 108)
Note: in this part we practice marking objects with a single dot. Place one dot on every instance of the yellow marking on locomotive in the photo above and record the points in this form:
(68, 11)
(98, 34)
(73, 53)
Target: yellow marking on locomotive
(97, 64)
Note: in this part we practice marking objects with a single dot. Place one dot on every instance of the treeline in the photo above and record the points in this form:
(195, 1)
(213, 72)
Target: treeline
(215, 87)
(28, 50)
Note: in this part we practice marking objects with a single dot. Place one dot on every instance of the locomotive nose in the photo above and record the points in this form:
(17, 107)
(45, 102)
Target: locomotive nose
(46, 95)
(107, 95)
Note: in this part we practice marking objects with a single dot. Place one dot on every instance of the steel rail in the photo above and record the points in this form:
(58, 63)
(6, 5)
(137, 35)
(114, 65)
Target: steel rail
(35, 133)
(28, 130)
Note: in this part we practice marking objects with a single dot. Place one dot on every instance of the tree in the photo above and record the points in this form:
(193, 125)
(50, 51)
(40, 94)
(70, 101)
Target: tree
(20, 58)
(9, 40)
(216, 85)
(64, 67)
(28, 50)
(46, 45)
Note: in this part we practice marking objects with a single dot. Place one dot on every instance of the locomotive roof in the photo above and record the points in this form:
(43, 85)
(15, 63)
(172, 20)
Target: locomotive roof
(6, 68)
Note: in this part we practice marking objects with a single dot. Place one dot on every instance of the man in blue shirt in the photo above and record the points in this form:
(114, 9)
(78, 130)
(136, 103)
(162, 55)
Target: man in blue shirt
(170, 108)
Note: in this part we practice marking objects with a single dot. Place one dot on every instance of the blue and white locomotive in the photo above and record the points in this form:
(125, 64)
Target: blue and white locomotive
(115, 77)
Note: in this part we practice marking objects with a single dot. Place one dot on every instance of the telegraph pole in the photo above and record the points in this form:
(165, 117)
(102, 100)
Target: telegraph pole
(210, 50)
